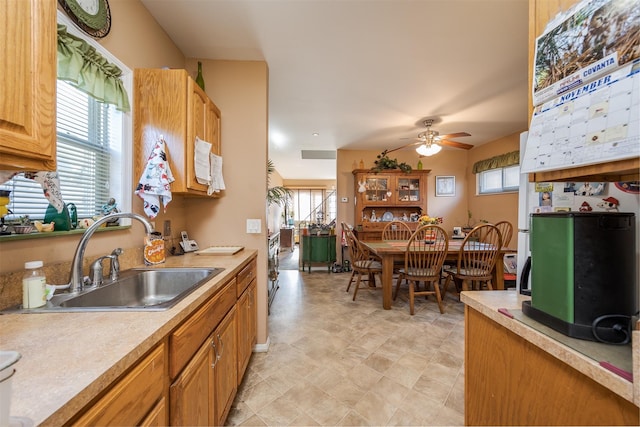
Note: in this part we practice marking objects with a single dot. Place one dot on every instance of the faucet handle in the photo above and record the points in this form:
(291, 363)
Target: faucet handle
(115, 263)
(96, 271)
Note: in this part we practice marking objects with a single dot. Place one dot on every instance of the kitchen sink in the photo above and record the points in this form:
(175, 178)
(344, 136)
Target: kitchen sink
(136, 290)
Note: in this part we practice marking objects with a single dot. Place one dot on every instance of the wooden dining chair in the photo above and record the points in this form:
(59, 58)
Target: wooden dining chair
(506, 231)
(426, 251)
(476, 259)
(396, 230)
(364, 266)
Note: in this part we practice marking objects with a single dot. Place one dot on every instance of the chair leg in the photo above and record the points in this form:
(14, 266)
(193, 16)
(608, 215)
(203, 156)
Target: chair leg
(411, 297)
(351, 280)
(436, 289)
(398, 282)
(446, 285)
(371, 280)
(355, 291)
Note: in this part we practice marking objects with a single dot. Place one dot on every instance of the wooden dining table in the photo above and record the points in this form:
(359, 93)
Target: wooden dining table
(390, 251)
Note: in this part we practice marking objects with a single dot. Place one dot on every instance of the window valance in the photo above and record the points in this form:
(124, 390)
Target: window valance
(496, 162)
(80, 64)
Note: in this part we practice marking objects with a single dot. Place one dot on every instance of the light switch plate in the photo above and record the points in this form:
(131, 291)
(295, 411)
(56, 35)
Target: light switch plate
(253, 226)
(344, 199)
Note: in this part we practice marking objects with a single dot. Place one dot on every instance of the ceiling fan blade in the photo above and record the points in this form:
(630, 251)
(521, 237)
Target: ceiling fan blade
(454, 135)
(405, 146)
(455, 144)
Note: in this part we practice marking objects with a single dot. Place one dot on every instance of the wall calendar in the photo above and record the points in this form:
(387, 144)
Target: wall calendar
(596, 123)
(586, 89)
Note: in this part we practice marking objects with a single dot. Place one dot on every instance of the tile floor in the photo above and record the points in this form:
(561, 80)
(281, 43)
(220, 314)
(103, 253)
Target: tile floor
(333, 361)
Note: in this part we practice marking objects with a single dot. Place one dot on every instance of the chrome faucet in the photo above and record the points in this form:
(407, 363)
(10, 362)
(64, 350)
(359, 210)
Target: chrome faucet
(75, 282)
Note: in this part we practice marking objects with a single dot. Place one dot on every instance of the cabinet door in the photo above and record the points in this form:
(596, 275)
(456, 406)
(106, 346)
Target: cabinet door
(198, 114)
(192, 395)
(253, 316)
(378, 189)
(28, 85)
(213, 128)
(247, 328)
(144, 385)
(225, 372)
(408, 190)
(157, 417)
(243, 322)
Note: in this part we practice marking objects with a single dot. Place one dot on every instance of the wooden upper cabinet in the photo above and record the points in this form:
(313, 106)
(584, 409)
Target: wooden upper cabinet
(171, 104)
(540, 13)
(28, 85)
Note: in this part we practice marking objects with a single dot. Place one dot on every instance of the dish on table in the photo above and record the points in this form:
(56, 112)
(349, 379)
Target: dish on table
(387, 216)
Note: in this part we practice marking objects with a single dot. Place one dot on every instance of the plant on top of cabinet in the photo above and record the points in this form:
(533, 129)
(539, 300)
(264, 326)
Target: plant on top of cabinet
(383, 162)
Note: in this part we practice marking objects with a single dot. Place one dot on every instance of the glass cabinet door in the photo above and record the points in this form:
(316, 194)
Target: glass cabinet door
(408, 189)
(377, 189)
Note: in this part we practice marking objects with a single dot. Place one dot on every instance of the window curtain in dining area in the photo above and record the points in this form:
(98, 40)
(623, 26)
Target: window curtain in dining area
(497, 162)
(80, 64)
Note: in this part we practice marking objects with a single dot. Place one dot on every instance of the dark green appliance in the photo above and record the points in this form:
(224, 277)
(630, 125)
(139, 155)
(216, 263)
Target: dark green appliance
(583, 274)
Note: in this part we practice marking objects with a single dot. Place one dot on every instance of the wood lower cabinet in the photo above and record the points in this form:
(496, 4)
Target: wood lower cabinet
(191, 377)
(170, 104)
(225, 374)
(510, 381)
(203, 392)
(134, 399)
(28, 85)
(158, 415)
(191, 394)
(247, 327)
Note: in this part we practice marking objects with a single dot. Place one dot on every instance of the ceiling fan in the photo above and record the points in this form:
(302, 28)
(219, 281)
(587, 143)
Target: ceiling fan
(430, 141)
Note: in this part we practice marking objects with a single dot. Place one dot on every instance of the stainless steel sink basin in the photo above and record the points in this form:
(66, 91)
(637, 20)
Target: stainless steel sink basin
(135, 290)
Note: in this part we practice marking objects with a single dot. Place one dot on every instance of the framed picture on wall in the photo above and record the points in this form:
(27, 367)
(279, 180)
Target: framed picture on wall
(445, 186)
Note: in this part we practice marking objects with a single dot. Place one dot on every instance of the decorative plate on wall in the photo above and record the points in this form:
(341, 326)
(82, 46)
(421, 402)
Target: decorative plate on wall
(91, 16)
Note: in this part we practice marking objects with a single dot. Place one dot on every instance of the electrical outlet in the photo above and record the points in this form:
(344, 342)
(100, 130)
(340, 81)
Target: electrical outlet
(167, 228)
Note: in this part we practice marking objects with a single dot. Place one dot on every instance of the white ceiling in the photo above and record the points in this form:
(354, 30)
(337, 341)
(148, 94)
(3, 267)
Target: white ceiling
(364, 74)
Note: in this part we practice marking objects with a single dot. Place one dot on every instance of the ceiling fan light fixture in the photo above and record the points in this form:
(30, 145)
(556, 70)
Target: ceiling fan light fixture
(428, 150)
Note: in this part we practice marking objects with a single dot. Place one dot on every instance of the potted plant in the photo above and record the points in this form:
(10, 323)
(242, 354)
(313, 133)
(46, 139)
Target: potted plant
(383, 162)
(276, 195)
(470, 223)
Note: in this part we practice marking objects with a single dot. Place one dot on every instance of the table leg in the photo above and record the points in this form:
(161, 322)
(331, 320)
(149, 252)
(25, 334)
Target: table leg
(498, 275)
(387, 279)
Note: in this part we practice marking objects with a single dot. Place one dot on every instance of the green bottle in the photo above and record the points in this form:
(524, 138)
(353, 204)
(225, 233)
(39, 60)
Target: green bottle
(199, 78)
(419, 164)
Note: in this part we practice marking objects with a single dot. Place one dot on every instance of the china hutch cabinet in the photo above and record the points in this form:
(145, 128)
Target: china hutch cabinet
(381, 197)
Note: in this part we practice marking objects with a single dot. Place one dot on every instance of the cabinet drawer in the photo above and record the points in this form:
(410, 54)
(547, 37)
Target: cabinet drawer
(188, 337)
(246, 275)
(131, 398)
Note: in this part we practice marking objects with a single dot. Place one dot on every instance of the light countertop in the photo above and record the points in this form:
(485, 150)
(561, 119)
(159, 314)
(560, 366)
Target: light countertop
(559, 346)
(68, 358)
